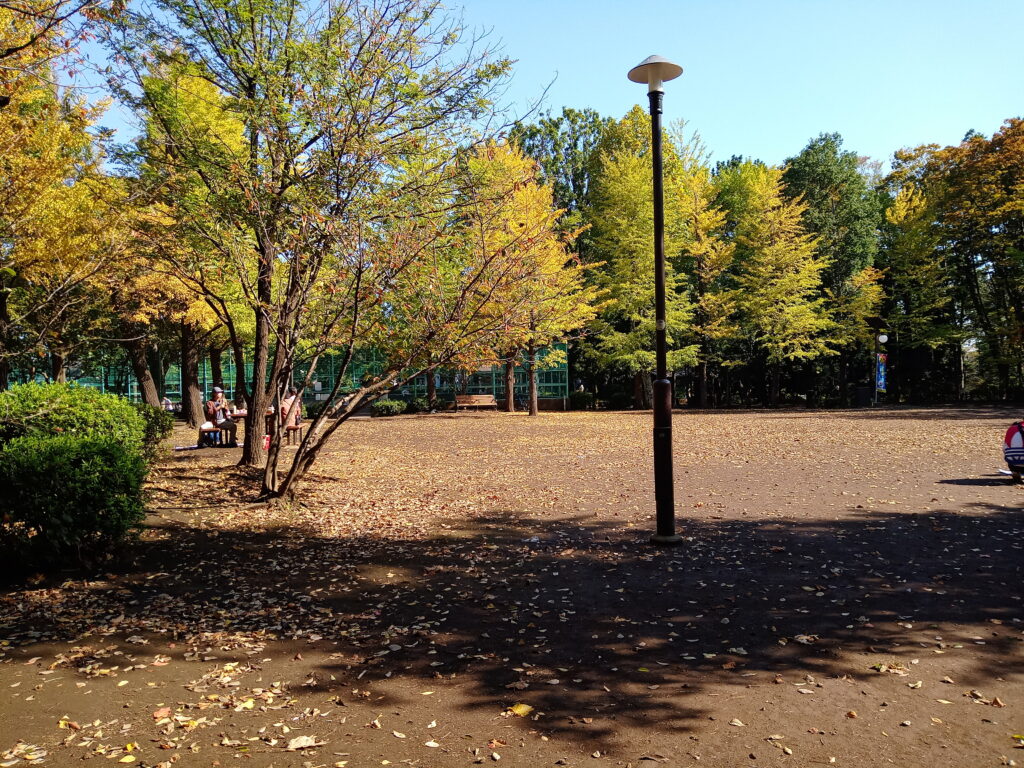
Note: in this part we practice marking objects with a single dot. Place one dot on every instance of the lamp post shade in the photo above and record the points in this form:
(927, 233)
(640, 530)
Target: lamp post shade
(655, 71)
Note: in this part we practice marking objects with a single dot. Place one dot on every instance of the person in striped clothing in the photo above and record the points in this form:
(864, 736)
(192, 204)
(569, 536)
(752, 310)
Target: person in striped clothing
(1013, 449)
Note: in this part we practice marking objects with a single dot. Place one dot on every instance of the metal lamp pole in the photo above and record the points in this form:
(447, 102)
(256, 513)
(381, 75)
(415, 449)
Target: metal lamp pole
(655, 71)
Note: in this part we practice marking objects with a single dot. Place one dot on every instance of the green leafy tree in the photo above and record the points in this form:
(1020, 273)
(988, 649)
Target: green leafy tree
(708, 259)
(564, 146)
(844, 214)
(781, 305)
(918, 287)
(335, 214)
(622, 220)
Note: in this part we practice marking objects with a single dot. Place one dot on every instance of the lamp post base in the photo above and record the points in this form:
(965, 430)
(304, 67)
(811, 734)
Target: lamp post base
(666, 541)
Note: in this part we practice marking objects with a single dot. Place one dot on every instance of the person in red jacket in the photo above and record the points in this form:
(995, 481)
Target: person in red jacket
(219, 413)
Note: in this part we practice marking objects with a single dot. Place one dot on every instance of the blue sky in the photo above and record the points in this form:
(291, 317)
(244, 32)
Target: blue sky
(762, 77)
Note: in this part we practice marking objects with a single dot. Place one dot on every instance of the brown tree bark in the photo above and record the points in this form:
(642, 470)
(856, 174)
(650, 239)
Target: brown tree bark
(431, 388)
(643, 393)
(58, 369)
(136, 350)
(774, 385)
(191, 397)
(259, 397)
(531, 365)
(510, 384)
(702, 384)
(216, 366)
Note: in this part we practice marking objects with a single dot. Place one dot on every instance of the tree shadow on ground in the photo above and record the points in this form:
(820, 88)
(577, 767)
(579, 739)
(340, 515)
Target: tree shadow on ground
(509, 604)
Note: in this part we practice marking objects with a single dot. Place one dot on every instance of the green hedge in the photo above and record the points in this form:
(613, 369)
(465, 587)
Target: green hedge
(48, 410)
(418, 405)
(72, 464)
(387, 407)
(69, 497)
(157, 424)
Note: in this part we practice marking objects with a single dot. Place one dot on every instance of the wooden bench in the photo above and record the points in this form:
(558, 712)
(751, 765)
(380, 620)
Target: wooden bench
(206, 436)
(475, 401)
(293, 433)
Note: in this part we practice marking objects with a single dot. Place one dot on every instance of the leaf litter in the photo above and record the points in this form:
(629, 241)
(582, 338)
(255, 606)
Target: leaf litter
(456, 576)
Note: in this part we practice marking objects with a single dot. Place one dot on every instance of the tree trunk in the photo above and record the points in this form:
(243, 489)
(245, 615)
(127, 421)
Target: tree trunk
(241, 390)
(191, 397)
(844, 380)
(136, 351)
(774, 385)
(702, 384)
(532, 369)
(510, 383)
(157, 368)
(259, 397)
(643, 392)
(959, 370)
(216, 366)
(431, 388)
(58, 370)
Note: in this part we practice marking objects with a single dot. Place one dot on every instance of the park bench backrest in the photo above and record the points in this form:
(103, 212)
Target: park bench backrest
(475, 400)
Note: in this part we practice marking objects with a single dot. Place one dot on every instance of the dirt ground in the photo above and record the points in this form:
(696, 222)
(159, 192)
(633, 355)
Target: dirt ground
(472, 589)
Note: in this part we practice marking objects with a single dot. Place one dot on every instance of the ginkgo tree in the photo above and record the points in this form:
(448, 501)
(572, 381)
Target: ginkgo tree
(709, 257)
(781, 306)
(56, 211)
(622, 220)
(548, 297)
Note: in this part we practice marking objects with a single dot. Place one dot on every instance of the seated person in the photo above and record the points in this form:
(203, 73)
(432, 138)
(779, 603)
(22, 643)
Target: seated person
(286, 406)
(1013, 449)
(218, 413)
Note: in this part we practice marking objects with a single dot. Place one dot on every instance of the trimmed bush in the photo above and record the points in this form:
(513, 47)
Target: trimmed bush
(46, 410)
(418, 405)
(581, 401)
(68, 497)
(387, 407)
(157, 424)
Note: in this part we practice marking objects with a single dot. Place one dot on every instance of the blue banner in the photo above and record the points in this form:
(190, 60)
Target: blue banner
(880, 362)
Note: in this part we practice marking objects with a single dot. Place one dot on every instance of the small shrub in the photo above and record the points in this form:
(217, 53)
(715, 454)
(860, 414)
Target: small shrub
(418, 405)
(620, 401)
(68, 497)
(157, 424)
(47, 410)
(387, 407)
(581, 401)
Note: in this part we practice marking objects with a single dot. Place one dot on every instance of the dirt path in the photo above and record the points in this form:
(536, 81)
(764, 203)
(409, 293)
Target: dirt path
(472, 589)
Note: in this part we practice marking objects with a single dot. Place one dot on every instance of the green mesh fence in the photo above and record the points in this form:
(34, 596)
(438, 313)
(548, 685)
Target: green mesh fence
(552, 378)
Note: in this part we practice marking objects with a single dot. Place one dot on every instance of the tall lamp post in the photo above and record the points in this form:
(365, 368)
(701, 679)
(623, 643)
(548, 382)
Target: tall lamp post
(654, 71)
